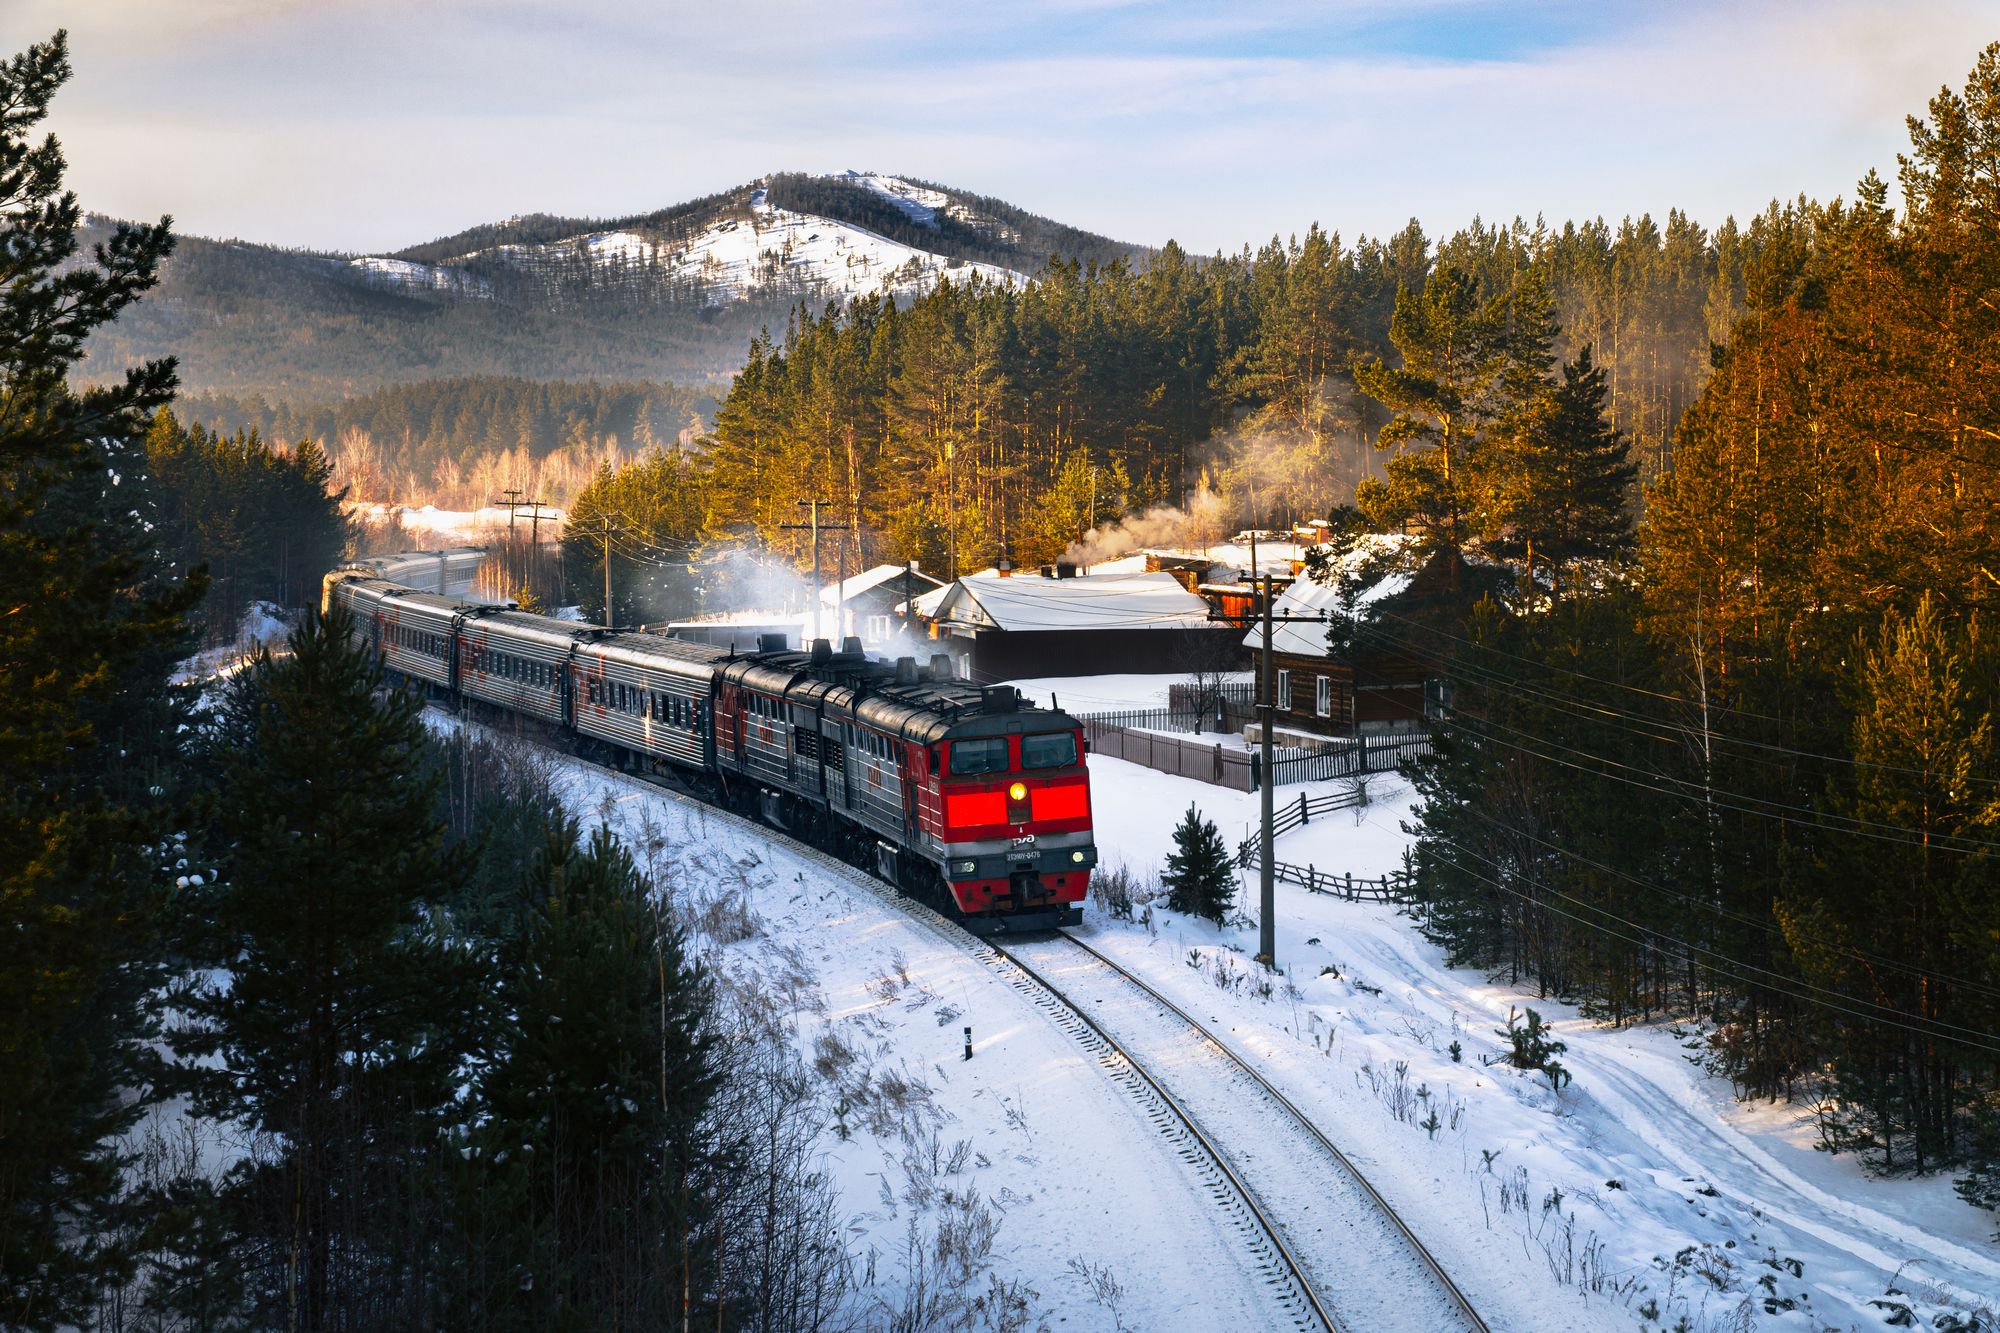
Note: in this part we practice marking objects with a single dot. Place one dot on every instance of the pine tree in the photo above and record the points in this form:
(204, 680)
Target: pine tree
(1200, 876)
(597, 1096)
(332, 1017)
(1453, 346)
(1567, 488)
(87, 724)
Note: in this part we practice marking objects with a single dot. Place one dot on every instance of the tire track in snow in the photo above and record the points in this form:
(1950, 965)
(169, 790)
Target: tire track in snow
(1724, 1158)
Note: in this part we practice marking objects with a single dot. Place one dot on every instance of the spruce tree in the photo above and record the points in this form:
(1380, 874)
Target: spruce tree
(87, 723)
(1200, 877)
(331, 1018)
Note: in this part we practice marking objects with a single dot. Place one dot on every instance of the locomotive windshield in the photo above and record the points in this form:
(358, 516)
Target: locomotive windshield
(1057, 749)
(981, 756)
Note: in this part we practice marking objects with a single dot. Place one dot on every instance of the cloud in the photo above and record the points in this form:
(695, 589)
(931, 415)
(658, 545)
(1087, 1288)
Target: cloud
(369, 124)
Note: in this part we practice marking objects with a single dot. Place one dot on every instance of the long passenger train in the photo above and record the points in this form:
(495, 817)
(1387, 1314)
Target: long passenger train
(969, 798)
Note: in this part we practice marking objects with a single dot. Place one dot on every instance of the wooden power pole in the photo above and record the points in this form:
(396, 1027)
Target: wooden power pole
(815, 527)
(1267, 711)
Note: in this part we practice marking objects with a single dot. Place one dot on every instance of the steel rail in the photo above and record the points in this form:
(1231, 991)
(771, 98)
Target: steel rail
(1273, 1234)
(1422, 1252)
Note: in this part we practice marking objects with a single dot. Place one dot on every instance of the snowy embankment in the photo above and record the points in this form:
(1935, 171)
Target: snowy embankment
(263, 625)
(1639, 1195)
(1095, 1213)
(1642, 1183)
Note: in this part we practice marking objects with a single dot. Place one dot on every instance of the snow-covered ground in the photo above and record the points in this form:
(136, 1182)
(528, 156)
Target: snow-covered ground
(1641, 1194)
(262, 624)
(460, 525)
(1643, 1182)
(879, 1003)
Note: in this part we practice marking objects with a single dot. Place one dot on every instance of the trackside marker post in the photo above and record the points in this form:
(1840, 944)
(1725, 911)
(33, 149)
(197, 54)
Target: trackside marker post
(968, 1045)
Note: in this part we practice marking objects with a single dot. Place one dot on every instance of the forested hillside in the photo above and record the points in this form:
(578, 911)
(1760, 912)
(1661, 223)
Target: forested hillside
(984, 415)
(421, 442)
(246, 319)
(674, 294)
(1752, 776)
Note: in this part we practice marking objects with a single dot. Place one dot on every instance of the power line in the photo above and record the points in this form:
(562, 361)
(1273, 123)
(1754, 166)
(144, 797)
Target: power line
(1742, 918)
(1491, 678)
(1781, 811)
(1729, 967)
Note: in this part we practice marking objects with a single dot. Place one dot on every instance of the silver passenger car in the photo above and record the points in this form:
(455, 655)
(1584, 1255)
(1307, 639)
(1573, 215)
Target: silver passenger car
(520, 661)
(647, 693)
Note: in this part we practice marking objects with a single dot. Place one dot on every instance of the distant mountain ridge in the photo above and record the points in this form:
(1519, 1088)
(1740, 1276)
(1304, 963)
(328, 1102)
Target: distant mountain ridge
(673, 294)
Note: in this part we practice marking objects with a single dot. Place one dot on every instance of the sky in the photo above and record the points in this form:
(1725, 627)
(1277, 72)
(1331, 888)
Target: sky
(368, 125)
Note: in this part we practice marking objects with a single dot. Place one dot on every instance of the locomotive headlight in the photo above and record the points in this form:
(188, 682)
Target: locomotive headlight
(1076, 857)
(964, 867)
(1018, 792)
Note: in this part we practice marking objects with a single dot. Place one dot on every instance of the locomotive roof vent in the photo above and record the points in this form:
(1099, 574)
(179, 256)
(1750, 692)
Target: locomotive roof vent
(906, 671)
(821, 650)
(850, 646)
(999, 699)
(770, 643)
(940, 667)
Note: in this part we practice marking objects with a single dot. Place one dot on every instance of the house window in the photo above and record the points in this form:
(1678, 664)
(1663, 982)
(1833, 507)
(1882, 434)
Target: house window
(1324, 701)
(1284, 699)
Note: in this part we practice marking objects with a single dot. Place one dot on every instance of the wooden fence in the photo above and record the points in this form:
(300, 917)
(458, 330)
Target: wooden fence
(1211, 763)
(1136, 736)
(1391, 888)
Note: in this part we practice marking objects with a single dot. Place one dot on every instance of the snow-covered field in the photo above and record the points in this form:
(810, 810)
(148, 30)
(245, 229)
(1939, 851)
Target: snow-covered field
(879, 1004)
(459, 525)
(1643, 1177)
(1639, 1195)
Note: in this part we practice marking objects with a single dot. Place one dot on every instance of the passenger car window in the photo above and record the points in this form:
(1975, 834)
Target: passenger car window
(982, 756)
(1055, 750)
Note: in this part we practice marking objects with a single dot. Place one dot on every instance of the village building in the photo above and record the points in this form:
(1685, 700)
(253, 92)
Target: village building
(873, 605)
(1381, 683)
(1058, 624)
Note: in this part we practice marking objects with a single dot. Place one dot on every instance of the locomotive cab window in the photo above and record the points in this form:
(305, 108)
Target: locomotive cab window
(980, 756)
(1054, 750)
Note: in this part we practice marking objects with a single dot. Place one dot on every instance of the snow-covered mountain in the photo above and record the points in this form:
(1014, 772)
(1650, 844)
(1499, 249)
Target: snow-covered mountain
(790, 236)
(675, 294)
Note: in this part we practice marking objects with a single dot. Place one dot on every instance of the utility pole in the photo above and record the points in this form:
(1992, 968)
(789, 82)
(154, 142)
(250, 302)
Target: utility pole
(1267, 619)
(515, 504)
(1267, 892)
(605, 532)
(815, 527)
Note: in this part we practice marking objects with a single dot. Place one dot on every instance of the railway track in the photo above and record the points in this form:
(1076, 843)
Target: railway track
(1326, 1209)
(1327, 1232)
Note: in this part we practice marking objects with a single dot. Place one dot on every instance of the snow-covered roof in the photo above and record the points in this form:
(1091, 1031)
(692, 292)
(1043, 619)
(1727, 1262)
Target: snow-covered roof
(1307, 597)
(873, 578)
(1028, 602)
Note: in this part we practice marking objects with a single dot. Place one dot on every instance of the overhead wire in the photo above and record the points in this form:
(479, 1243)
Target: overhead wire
(1736, 968)
(1742, 918)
